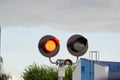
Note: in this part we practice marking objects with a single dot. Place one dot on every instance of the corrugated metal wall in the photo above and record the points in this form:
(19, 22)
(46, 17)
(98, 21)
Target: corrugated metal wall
(114, 69)
(102, 70)
(87, 69)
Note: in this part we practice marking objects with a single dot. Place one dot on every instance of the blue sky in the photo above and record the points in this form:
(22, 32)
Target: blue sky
(19, 46)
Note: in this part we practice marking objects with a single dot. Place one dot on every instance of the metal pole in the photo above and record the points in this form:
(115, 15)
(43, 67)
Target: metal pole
(52, 61)
(61, 69)
(60, 78)
(0, 52)
(1, 60)
(0, 40)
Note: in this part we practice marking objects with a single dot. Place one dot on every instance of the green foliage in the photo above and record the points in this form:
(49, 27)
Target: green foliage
(3, 77)
(68, 73)
(35, 72)
(43, 72)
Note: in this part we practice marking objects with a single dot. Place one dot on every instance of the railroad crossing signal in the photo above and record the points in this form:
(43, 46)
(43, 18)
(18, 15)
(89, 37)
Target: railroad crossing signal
(68, 62)
(48, 46)
(77, 45)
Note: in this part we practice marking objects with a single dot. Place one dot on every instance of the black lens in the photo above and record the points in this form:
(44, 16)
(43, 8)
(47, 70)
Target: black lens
(78, 46)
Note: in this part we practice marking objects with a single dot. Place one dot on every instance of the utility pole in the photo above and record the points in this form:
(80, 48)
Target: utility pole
(1, 60)
(0, 40)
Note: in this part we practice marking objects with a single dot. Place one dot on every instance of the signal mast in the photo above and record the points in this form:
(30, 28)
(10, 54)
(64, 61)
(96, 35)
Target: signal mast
(49, 46)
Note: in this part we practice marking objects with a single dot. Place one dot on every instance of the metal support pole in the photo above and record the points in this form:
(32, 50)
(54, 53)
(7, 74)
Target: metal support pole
(0, 40)
(76, 61)
(94, 57)
(61, 69)
(60, 78)
(1, 60)
(52, 61)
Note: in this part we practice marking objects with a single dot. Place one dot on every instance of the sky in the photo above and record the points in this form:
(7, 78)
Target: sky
(24, 22)
(78, 15)
(19, 47)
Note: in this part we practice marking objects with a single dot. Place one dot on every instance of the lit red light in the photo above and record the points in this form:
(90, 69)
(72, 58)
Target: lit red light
(50, 45)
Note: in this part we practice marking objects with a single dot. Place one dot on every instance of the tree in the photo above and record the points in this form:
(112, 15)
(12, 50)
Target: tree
(43, 72)
(35, 72)
(3, 77)
(68, 73)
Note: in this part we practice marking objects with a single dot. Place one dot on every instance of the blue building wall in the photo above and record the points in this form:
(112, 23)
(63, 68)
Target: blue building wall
(114, 69)
(87, 69)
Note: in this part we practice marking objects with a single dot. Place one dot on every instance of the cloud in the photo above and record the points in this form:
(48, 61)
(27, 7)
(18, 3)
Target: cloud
(73, 15)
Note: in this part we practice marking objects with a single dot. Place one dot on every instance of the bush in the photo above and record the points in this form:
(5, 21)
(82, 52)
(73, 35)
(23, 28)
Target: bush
(3, 77)
(43, 72)
(35, 72)
(68, 73)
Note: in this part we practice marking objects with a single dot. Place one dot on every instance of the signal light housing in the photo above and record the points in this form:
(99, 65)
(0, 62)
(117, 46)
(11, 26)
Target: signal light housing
(48, 46)
(77, 45)
(68, 62)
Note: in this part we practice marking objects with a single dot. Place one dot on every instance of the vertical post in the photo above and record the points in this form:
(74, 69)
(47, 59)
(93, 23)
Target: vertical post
(1, 61)
(60, 78)
(0, 40)
(0, 52)
(94, 57)
(61, 69)
(61, 72)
